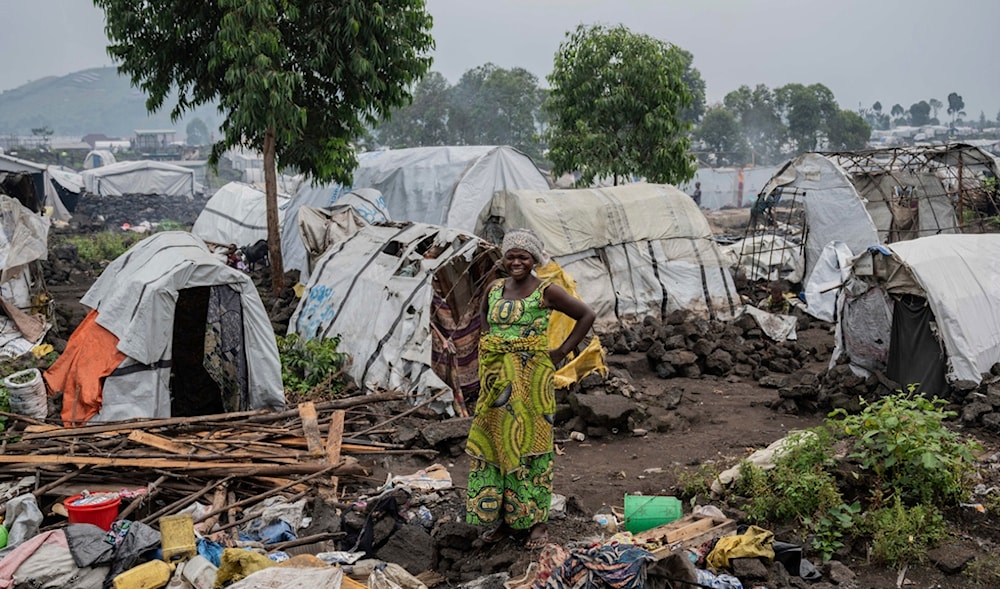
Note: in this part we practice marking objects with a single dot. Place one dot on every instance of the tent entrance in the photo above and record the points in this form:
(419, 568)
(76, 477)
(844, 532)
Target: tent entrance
(915, 354)
(209, 366)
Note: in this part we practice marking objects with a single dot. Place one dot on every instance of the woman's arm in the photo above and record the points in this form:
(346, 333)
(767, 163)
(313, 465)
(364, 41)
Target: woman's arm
(558, 299)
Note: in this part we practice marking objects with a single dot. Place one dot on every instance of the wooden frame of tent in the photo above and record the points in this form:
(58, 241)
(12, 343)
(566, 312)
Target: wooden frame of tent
(970, 178)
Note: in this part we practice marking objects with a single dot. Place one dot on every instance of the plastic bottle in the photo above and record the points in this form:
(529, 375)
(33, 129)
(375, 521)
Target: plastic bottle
(199, 572)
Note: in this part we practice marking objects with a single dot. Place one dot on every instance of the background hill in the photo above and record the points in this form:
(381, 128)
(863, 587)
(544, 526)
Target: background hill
(95, 100)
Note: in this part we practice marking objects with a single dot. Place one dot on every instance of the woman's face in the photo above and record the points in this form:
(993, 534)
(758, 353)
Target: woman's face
(518, 263)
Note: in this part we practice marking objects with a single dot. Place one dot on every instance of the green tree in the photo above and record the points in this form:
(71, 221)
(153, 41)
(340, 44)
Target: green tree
(807, 110)
(935, 106)
(897, 113)
(615, 103)
(424, 121)
(491, 105)
(721, 133)
(762, 127)
(696, 86)
(197, 132)
(297, 80)
(955, 105)
(982, 120)
(920, 113)
(848, 131)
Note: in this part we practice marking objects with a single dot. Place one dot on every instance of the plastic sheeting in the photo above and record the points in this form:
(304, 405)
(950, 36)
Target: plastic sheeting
(634, 250)
(366, 202)
(720, 186)
(236, 214)
(136, 296)
(445, 185)
(960, 275)
(44, 180)
(140, 177)
(829, 274)
(766, 257)
(374, 290)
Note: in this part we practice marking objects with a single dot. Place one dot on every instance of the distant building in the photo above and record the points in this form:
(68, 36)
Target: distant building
(154, 140)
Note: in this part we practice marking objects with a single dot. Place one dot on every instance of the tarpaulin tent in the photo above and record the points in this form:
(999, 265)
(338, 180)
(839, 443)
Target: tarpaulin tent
(141, 177)
(97, 158)
(366, 202)
(23, 240)
(720, 187)
(634, 250)
(46, 192)
(404, 299)
(445, 185)
(236, 214)
(172, 330)
(924, 311)
(879, 196)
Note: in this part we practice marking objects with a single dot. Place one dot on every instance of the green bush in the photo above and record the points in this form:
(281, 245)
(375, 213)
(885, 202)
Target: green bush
(902, 441)
(902, 534)
(903, 465)
(310, 364)
(103, 246)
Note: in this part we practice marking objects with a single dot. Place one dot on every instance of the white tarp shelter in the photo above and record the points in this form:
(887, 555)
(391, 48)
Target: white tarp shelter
(236, 214)
(97, 158)
(23, 240)
(141, 177)
(880, 196)
(396, 294)
(634, 250)
(928, 304)
(366, 202)
(720, 187)
(136, 299)
(445, 185)
(45, 185)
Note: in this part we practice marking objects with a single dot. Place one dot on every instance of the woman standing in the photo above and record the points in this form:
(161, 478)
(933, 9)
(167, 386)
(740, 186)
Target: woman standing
(510, 441)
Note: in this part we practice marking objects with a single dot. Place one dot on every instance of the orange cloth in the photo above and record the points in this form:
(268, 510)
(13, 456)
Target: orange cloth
(91, 355)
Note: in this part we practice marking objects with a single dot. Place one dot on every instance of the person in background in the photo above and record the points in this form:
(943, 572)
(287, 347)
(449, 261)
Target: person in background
(510, 440)
(778, 299)
(696, 197)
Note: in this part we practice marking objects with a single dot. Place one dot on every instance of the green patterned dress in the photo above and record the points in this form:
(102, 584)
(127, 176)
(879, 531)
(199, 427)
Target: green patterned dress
(510, 440)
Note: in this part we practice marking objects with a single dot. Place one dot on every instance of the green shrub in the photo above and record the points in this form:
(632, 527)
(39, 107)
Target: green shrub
(103, 246)
(310, 364)
(902, 441)
(906, 465)
(902, 534)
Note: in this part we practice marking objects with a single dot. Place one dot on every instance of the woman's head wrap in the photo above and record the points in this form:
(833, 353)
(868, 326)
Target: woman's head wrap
(525, 239)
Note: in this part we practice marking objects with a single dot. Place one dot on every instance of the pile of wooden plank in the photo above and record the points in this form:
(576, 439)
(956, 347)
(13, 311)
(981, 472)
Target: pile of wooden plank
(231, 460)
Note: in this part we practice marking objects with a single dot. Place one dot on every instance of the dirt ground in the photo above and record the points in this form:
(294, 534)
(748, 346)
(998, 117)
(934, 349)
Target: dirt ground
(718, 422)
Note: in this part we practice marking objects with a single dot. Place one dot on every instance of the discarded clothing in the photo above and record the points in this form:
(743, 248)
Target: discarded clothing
(618, 566)
(45, 562)
(122, 547)
(723, 581)
(755, 542)
(22, 519)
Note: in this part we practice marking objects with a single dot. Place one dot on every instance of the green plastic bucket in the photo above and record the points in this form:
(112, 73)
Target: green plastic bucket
(645, 512)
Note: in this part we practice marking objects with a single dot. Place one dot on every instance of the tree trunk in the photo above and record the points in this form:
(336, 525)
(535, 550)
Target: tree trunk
(273, 234)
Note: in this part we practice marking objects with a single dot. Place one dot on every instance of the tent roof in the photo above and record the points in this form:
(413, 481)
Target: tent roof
(575, 220)
(136, 166)
(236, 213)
(960, 275)
(445, 185)
(374, 289)
(136, 295)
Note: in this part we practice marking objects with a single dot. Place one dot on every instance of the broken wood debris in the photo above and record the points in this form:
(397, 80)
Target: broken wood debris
(231, 460)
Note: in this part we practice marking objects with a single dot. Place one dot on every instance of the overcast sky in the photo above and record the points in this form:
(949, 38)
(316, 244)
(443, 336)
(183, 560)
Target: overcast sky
(893, 51)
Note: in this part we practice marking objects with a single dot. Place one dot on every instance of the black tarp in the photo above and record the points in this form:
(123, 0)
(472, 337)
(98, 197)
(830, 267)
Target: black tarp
(915, 354)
